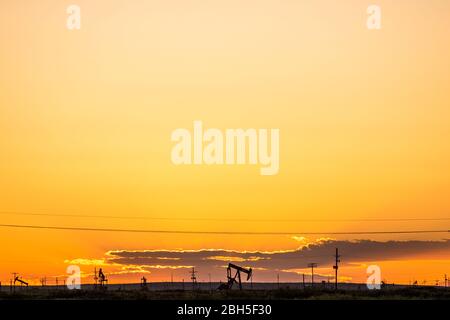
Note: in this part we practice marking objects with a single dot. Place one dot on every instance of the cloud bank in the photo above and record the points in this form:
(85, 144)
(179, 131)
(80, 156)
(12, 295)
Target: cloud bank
(287, 263)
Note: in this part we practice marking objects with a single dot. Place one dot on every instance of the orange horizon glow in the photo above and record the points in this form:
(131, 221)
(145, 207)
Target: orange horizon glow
(86, 118)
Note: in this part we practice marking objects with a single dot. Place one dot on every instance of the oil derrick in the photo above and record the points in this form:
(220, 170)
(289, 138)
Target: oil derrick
(232, 279)
(193, 278)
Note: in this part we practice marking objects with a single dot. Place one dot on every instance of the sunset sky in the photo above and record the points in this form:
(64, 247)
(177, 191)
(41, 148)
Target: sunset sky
(86, 118)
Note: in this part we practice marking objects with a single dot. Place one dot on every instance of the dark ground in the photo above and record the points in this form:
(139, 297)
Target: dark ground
(121, 293)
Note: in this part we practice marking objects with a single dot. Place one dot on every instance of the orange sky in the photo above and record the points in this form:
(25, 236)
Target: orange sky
(86, 117)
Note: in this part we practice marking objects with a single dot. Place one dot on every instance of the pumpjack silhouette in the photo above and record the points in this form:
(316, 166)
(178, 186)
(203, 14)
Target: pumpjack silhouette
(144, 284)
(100, 280)
(232, 279)
(17, 279)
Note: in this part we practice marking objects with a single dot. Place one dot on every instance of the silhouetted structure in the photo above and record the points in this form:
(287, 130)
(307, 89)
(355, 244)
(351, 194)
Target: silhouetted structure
(144, 283)
(336, 267)
(194, 278)
(95, 277)
(312, 266)
(232, 279)
(19, 279)
(102, 280)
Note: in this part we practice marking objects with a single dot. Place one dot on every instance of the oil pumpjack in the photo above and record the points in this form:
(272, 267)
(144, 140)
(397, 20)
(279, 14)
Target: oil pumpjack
(19, 279)
(144, 283)
(100, 280)
(232, 279)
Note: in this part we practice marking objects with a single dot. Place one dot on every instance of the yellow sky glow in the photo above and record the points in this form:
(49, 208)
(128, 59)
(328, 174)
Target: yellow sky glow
(86, 118)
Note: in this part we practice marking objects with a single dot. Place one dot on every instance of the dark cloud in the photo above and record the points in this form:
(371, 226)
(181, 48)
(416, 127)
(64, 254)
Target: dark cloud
(321, 252)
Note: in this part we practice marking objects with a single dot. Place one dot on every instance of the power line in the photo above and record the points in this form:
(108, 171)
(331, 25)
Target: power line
(217, 232)
(219, 219)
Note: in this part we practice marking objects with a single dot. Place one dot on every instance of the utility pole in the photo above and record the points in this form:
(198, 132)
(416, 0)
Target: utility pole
(312, 266)
(95, 277)
(446, 280)
(303, 281)
(210, 283)
(13, 281)
(278, 281)
(336, 267)
(193, 278)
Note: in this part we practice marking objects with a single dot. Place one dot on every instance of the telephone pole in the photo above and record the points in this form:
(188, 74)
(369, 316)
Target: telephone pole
(193, 278)
(13, 281)
(210, 283)
(95, 277)
(312, 266)
(336, 267)
(278, 281)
